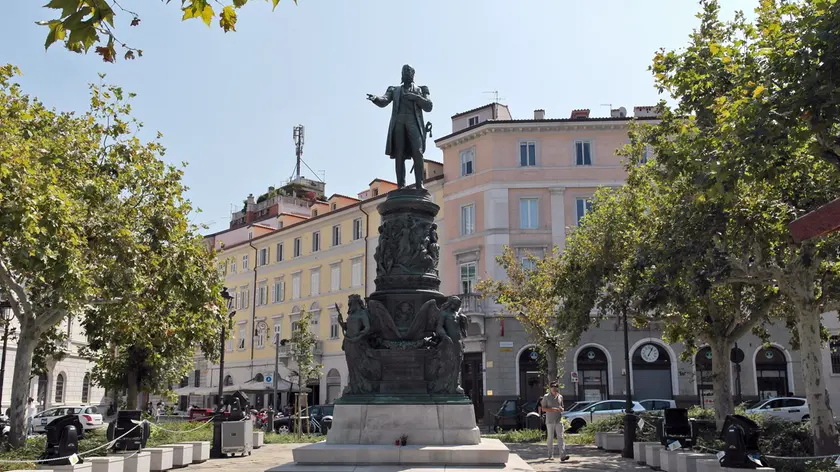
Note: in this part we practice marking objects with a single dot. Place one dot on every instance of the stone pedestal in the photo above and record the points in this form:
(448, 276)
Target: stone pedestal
(83, 467)
(687, 462)
(201, 451)
(639, 449)
(668, 459)
(652, 455)
(106, 464)
(612, 442)
(161, 458)
(182, 454)
(135, 462)
(259, 439)
(442, 424)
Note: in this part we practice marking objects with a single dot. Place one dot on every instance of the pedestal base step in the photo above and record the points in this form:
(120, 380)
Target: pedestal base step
(514, 464)
(489, 452)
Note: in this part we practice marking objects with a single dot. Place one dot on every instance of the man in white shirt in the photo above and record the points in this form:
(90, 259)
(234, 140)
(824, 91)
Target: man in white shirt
(552, 405)
(31, 411)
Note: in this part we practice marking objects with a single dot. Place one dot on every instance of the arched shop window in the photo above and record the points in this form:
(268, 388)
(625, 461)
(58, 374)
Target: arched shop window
(771, 373)
(704, 377)
(652, 372)
(531, 381)
(593, 379)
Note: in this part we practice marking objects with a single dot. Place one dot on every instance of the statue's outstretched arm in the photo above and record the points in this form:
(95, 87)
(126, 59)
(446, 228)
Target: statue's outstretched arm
(384, 100)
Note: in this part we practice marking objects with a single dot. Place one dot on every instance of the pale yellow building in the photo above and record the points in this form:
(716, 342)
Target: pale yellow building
(289, 259)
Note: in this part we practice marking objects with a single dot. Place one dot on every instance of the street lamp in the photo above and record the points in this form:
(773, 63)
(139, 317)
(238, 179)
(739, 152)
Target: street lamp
(277, 343)
(629, 416)
(230, 312)
(6, 315)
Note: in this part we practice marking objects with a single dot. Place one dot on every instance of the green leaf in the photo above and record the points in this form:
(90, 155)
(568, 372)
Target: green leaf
(66, 6)
(274, 4)
(56, 33)
(227, 20)
(199, 9)
(239, 3)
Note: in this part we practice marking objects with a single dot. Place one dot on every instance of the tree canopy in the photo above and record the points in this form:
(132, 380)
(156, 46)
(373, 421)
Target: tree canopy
(94, 225)
(82, 24)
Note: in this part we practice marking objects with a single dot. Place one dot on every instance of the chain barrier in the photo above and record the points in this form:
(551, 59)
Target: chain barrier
(155, 425)
(784, 458)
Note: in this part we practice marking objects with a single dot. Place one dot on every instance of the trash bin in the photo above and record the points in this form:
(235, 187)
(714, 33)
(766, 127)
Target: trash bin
(533, 420)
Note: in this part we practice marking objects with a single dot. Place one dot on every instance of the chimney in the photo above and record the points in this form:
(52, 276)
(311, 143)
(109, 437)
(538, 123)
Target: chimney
(539, 114)
(619, 112)
(580, 114)
(270, 189)
(251, 199)
(645, 111)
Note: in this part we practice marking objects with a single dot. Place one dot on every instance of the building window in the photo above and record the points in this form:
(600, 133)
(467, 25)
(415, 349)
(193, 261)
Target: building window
(528, 263)
(244, 297)
(260, 334)
(583, 153)
(468, 277)
(356, 273)
(263, 260)
(279, 291)
(245, 262)
(196, 378)
(336, 235)
(473, 120)
(296, 286)
(233, 266)
(582, 207)
(262, 294)
(86, 388)
(315, 212)
(334, 206)
(527, 153)
(834, 346)
(315, 282)
(528, 213)
(376, 192)
(335, 278)
(467, 161)
(278, 331)
(467, 220)
(250, 235)
(59, 389)
(334, 327)
(295, 325)
(228, 381)
(357, 229)
(223, 268)
(316, 241)
(229, 345)
(278, 257)
(241, 345)
(297, 247)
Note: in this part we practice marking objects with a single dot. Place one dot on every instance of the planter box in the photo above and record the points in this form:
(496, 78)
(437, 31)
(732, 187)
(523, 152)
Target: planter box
(668, 460)
(612, 442)
(652, 455)
(83, 467)
(182, 454)
(687, 461)
(259, 439)
(598, 437)
(106, 464)
(201, 451)
(161, 459)
(134, 462)
(639, 449)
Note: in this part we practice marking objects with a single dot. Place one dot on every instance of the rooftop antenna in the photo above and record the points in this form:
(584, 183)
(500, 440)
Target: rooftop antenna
(607, 105)
(496, 97)
(297, 135)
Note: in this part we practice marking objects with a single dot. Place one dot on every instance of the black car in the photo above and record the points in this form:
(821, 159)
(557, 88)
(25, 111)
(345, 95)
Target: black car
(286, 424)
(513, 415)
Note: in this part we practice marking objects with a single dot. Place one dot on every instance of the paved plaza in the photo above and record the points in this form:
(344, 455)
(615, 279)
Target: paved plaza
(583, 458)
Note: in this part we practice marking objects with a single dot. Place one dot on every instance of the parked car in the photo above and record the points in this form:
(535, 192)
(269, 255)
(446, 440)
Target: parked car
(657, 405)
(595, 411)
(286, 424)
(577, 406)
(89, 417)
(787, 408)
(514, 415)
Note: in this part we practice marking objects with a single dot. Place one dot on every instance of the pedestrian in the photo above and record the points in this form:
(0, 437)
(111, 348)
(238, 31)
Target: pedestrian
(552, 405)
(31, 411)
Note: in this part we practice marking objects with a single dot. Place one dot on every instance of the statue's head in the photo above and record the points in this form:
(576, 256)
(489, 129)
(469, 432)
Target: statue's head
(407, 74)
(453, 302)
(354, 301)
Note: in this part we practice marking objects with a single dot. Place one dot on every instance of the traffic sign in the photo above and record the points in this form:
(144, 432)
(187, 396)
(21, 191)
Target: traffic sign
(267, 379)
(574, 377)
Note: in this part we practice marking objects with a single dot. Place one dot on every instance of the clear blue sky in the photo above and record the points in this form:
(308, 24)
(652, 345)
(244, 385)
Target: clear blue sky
(226, 103)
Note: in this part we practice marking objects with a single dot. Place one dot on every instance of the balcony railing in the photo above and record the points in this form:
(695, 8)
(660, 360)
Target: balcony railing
(288, 349)
(471, 303)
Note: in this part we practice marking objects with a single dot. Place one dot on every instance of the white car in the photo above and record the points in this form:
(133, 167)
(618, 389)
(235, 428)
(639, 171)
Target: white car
(786, 408)
(89, 416)
(657, 404)
(579, 419)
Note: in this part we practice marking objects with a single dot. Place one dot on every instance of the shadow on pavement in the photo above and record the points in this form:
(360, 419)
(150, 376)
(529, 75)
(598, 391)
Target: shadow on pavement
(582, 458)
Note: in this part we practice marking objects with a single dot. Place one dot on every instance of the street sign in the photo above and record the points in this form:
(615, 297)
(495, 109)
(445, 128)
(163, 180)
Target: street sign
(267, 379)
(574, 377)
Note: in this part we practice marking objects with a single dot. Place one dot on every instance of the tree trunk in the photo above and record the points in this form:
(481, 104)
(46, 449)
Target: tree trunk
(26, 344)
(721, 380)
(823, 428)
(133, 391)
(551, 362)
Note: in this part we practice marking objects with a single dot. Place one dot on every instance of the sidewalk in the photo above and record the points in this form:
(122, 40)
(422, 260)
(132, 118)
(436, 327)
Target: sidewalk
(583, 458)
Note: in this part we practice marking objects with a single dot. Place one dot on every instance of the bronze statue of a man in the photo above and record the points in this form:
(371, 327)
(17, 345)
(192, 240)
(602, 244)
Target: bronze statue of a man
(406, 131)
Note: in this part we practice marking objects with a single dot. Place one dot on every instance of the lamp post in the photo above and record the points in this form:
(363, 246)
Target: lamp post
(6, 314)
(629, 416)
(230, 312)
(277, 343)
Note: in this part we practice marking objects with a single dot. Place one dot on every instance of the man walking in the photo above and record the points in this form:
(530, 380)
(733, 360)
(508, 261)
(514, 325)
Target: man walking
(31, 411)
(552, 405)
